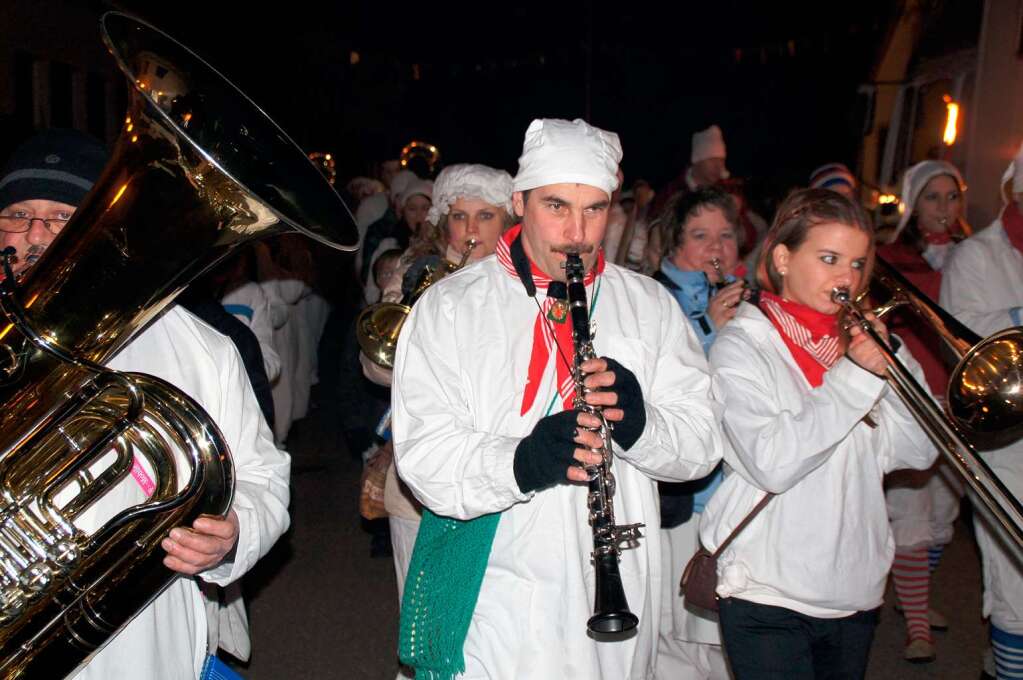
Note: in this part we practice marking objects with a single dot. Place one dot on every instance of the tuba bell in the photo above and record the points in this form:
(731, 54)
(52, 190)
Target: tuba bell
(197, 171)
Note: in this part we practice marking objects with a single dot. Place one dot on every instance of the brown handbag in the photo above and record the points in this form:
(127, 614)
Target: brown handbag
(700, 577)
(374, 478)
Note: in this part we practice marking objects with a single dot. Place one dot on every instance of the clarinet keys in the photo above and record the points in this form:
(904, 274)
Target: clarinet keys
(611, 610)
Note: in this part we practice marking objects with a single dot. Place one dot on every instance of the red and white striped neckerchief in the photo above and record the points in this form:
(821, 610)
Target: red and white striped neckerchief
(811, 336)
(547, 335)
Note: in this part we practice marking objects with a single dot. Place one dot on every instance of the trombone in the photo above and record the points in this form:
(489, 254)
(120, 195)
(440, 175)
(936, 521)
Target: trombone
(984, 394)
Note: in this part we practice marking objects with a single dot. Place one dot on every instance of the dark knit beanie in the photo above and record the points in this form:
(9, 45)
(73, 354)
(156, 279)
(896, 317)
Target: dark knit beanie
(55, 165)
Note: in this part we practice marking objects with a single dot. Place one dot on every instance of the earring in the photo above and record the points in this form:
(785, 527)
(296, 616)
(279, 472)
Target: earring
(783, 272)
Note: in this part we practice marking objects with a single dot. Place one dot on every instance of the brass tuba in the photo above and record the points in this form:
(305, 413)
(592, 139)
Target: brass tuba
(197, 171)
(378, 326)
(984, 394)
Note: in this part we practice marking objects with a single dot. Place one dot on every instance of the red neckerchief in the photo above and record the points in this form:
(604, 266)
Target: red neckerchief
(1012, 221)
(544, 339)
(812, 337)
(937, 238)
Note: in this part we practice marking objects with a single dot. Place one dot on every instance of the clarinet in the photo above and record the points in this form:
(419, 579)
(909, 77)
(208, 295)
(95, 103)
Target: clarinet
(610, 609)
(721, 282)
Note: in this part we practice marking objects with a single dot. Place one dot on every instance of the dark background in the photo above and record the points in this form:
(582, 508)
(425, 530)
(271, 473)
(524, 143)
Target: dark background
(781, 79)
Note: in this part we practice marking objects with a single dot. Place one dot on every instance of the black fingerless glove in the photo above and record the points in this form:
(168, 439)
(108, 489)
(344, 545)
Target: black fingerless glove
(542, 458)
(630, 400)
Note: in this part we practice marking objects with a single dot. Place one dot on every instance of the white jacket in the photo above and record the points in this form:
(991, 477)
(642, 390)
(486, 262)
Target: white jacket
(284, 296)
(982, 282)
(249, 303)
(982, 286)
(460, 372)
(168, 640)
(823, 546)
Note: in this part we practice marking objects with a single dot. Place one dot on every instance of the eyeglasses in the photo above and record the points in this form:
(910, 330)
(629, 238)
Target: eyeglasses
(19, 225)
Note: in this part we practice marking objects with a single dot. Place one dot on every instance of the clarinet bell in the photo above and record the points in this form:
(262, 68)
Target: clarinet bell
(611, 610)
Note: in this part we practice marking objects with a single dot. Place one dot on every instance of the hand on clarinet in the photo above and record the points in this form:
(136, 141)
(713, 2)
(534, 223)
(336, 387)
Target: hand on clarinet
(617, 392)
(725, 303)
(561, 445)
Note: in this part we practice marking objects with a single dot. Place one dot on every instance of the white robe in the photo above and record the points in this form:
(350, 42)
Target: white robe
(255, 314)
(168, 639)
(309, 317)
(823, 546)
(284, 295)
(982, 281)
(461, 368)
(982, 286)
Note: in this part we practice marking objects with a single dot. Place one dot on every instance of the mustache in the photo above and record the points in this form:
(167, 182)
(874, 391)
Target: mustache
(580, 249)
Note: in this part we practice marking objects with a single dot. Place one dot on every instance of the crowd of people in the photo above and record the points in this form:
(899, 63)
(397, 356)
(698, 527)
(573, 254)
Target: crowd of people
(749, 419)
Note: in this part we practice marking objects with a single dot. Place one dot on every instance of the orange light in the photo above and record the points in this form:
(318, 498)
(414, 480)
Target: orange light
(886, 199)
(5, 331)
(120, 192)
(951, 121)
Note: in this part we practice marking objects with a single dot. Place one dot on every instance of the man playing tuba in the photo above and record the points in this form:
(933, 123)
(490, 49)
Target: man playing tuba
(41, 186)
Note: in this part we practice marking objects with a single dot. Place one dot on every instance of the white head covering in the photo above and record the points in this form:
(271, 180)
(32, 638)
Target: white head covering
(400, 182)
(370, 209)
(469, 180)
(1015, 173)
(557, 151)
(418, 187)
(360, 187)
(709, 143)
(914, 180)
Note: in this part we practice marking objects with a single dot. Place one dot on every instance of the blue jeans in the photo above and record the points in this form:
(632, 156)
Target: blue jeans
(773, 643)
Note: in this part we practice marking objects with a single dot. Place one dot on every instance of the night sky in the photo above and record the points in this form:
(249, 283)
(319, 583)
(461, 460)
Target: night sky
(781, 79)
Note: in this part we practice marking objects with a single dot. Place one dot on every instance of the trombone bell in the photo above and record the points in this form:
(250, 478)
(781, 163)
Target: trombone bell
(985, 391)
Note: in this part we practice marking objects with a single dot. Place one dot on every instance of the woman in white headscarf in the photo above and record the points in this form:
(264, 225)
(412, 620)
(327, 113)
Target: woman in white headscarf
(470, 202)
(923, 504)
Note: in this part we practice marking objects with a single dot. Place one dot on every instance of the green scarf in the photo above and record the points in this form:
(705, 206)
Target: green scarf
(441, 590)
(443, 584)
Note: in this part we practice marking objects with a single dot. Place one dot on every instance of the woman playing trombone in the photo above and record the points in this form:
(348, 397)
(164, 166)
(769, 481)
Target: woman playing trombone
(811, 420)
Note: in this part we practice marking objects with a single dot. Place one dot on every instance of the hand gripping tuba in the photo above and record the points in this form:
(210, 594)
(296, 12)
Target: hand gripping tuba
(197, 171)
